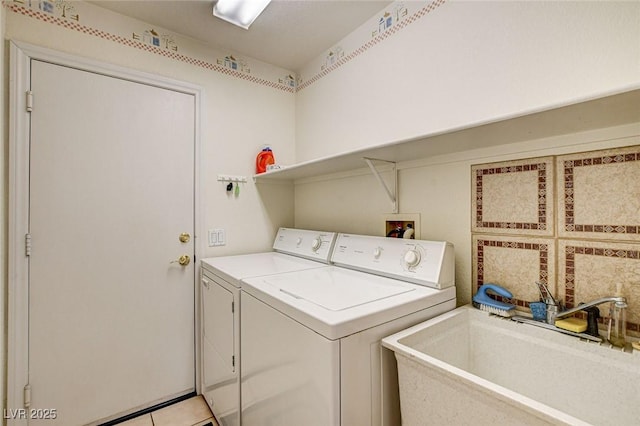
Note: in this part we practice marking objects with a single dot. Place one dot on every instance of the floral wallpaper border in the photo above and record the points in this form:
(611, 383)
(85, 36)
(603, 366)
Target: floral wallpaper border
(224, 65)
(390, 21)
(384, 28)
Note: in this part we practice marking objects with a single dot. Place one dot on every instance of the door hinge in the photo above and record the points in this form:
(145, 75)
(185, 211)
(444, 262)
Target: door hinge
(27, 244)
(29, 101)
(233, 307)
(27, 396)
(233, 360)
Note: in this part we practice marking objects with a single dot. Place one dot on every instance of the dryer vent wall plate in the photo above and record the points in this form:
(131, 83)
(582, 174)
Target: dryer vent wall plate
(403, 225)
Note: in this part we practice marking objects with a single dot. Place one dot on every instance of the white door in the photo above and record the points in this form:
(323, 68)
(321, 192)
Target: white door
(111, 320)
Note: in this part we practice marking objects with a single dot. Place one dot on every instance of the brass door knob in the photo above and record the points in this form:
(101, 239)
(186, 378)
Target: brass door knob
(183, 260)
(184, 237)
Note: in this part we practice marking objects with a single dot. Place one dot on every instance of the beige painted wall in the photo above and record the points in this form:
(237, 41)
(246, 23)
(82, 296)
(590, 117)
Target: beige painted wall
(465, 63)
(3, 210)
(460, 64)
(438, 188)
(238, 117)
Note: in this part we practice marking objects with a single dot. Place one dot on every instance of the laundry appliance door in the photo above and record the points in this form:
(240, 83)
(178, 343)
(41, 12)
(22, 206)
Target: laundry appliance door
(290, 375)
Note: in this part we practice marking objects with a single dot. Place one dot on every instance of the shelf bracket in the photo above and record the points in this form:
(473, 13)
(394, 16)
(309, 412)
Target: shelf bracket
(392, 194)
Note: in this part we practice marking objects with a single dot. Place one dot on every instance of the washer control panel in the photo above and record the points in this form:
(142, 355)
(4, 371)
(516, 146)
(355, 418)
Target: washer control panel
(316, 245)
(412, 257)
(429, 263)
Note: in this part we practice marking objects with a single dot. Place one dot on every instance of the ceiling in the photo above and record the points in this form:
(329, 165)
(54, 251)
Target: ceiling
(288, 34)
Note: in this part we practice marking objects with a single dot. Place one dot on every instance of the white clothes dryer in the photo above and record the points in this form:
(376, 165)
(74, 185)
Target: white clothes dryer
(311, 352)
(294, 250)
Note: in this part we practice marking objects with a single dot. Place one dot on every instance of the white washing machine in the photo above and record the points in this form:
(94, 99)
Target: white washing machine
(311, 352)
(294, 250)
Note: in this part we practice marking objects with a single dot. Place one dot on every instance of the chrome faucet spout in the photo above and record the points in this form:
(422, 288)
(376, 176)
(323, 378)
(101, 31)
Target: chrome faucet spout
(555, 310)
(620, 302)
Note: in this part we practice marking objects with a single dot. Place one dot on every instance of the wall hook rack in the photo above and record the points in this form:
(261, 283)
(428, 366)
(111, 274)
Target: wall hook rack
(233, 179)
(391, 193)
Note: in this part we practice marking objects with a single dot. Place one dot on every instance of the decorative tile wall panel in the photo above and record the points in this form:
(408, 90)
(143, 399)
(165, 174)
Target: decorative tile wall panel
(514, 197)
(589, 270)
(599, 194)
(515, 263)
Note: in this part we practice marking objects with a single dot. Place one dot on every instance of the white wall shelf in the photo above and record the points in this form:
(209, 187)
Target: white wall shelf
(608, 111)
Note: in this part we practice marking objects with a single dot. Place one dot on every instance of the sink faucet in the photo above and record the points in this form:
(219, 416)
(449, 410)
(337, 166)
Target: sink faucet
(554, 313)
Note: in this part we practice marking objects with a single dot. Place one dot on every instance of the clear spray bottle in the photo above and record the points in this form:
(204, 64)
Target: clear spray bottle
(617, 329)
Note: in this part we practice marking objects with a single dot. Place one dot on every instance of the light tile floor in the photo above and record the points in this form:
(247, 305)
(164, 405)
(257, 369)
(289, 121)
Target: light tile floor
(191, 412)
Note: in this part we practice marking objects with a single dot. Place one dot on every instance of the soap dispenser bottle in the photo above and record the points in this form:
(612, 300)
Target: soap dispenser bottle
(593, 313)
(617, 330)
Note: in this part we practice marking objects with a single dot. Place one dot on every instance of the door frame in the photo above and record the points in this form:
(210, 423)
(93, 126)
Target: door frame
(21, 55)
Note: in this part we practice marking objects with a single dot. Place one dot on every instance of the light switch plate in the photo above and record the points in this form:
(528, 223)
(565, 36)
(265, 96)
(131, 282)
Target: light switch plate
(217, 237)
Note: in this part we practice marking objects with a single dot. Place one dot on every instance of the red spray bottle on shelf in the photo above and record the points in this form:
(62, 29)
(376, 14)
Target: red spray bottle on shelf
(264, 159)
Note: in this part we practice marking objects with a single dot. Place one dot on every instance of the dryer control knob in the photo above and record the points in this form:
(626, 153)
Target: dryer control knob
(316, 243)
(412, 258)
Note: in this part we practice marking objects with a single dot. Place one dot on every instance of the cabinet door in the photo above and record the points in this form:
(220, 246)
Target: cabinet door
(221, 381)
(218, 326)
(290, 374)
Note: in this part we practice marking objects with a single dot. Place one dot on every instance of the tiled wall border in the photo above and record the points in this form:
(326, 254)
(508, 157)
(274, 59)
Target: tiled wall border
(542, 249)
(569, 282)
(542, 225)
(569, 222)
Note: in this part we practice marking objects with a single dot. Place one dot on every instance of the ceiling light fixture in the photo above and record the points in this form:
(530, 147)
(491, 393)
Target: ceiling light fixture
(239, 12)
